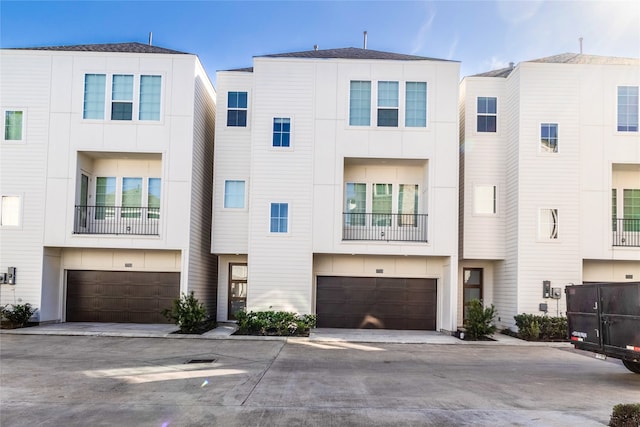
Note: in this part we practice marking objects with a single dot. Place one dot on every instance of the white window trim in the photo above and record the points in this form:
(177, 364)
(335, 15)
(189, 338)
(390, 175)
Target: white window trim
(633, 134)
(135, 111)
(20, 211)
(475, 117)
(539, 237)
(120, 182)
(24, 125)
(403, 99)
(274, 233)
(223, 112)
(395, 191)
(540, 150)
(246, 194)
(496, 190)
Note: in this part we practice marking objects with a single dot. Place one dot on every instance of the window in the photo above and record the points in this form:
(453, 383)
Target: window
(153, 198)
(484, 199)
(131, 197)
(549, 137)
(614, 209)
(10, 211)
(416, 104)
(237, 109)
(382, 204)
(471, 287)
(279, 218)
(234, 194)
(105, 197)
(13, 125)
(150, 96)
(548, 224)
(94, 94)
(281, 132)
(388, 104)
(356, 203)
(628, 108)
(487, 114)
(122, 97)
(360, 103)
(631, 209)
(407, 205)
(237, 289)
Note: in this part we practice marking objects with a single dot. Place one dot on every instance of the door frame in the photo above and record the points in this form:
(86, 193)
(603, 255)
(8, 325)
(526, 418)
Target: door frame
(230, 282)
(465, 286)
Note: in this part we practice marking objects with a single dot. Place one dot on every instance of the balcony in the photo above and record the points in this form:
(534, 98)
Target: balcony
(626, 232)
(118, 220)
(384, 227)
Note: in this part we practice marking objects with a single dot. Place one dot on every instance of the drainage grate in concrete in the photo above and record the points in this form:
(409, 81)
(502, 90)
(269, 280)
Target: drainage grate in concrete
(200, 361)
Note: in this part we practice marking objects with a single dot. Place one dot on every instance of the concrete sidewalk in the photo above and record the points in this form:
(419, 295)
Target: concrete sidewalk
(225, 331)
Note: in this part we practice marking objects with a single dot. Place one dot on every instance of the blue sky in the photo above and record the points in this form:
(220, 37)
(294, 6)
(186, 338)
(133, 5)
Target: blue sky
(483, 35)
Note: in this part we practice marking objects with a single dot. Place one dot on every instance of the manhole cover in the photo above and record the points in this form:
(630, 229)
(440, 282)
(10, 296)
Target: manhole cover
(200, 361)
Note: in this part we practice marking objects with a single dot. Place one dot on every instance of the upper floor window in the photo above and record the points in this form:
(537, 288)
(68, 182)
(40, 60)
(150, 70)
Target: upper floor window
(10, 211)
(360, 103)
(549, 137)
(279, 218)
(13, 125)
(153, 198)
(487, 114)
(631, 209)
(281, 132)
(485, 199)
(416, 104)
(628, 108)
(548, 224)
(126, 96)
(133, 191)
(237, 109)
(234, 194)
(388, 104)
(356, 203)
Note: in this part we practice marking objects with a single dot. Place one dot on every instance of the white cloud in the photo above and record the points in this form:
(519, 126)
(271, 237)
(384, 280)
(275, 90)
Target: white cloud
(418, 41)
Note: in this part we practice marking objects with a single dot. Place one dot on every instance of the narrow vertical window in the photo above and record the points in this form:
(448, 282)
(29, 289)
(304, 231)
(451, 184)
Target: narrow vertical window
(94, 94)
(281, 132)
(631, 209)
(237, 109)
(10, 211)
(279, 218)
(150, 96)
(131, 197)
(153, 198)
(382, 203)
(234, 194)
(360, 103)
(549, 137)
(388, 104)
(13, 125)
(356, 203)
(105, 197)
(548, 224)
(484, 199)
(122, 97)
(487, 114)
(407, 205)
(416, 104)
(628, 109)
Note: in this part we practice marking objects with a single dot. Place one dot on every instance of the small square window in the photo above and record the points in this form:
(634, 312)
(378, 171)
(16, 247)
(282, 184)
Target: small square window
(549, 137)
(487, 114)
(13, 125)
(234, 194)
(279, 218)
(281, 132)
(10, 211)
(237, 109)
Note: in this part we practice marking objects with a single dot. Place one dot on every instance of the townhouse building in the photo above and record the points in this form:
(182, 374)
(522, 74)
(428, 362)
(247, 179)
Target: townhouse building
(550, 181)
(105, 173)
(336, 188)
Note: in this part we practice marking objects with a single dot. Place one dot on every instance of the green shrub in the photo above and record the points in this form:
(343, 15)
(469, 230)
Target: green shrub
(532, 327)
(479, 322)
(187, 312)
(18, 314)
(625, 415)
(279, 323)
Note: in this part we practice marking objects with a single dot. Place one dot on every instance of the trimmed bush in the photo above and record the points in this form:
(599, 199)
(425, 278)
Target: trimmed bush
(479, 322)
(188, 313)
(625, 415)
(18, 314)
(279, 323)
(532, 327)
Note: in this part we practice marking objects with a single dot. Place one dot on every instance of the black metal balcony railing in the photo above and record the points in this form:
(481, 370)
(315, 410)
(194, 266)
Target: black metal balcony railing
(626, 232)
(139, 221)
(385, 227)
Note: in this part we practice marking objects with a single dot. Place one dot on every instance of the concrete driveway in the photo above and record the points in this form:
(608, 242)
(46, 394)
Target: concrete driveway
(53, 380)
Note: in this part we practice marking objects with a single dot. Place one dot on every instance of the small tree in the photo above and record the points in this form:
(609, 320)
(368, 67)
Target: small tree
(479, 322)
(187, 312)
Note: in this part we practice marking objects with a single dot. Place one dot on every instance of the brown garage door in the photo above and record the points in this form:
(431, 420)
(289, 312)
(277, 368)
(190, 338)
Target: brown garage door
(381, 303)
(120, 296)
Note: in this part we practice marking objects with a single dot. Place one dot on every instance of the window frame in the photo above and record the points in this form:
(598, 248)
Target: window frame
(542, 234)
(486, 114)
(244, 194)
(237, 109)
(548, 138)
(279, 218)
(118, 202)
(637, 117)
(23, 127)
(476, 187)
(18, 214)
(282, 133)
(406, 105)
(351, 121)
(388, 108)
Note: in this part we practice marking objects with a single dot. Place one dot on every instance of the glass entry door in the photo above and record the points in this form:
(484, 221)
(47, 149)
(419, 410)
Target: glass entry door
(237, 289)
(471, 287)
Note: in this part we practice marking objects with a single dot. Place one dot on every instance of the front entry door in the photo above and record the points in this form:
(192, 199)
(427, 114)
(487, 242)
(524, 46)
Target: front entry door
(237, 289)
(472, 287)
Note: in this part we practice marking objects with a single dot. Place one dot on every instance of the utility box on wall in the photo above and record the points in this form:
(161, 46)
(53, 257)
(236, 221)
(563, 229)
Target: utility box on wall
(11, 276)
(546, 289)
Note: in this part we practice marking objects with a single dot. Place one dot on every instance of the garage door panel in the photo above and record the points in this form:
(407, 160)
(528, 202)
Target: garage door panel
(116, 296)
(368, 302)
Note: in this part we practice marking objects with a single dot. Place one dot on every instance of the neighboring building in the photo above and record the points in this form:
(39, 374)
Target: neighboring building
(550, 181)
(106, 165)
(336, 188)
